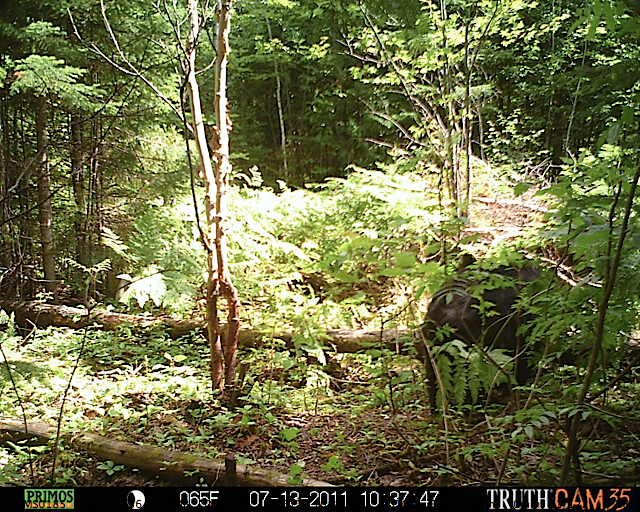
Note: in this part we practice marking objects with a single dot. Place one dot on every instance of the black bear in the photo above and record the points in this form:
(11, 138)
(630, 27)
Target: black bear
(491, 323)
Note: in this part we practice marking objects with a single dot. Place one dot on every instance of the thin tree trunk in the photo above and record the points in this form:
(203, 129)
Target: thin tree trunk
(44, 197)
(79, 189)
(223, 171)
(283, 132)
(480, 131)
(213, 327)
(24, 227)
(5, 229)
(571, 449)
(466, 199)
(93, 217)
(451, 158)
(216, 180)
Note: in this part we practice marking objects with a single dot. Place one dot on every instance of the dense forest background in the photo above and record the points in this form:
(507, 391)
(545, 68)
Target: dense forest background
(372, 143)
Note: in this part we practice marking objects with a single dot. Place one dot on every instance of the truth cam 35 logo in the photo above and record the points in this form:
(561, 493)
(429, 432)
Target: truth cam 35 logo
(579, 499)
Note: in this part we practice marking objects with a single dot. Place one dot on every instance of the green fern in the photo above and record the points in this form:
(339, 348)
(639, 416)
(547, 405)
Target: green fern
(113, 242)
(467, 373)
(143, 289)
(474, 380)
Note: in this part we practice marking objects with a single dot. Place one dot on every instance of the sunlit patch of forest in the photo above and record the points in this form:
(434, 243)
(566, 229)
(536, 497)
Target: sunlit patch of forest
(415, 261)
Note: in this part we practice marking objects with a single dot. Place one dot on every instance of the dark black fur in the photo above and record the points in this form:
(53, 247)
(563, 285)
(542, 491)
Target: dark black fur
(455, 306)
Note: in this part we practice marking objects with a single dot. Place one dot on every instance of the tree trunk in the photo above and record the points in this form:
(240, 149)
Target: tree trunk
(283, 131)
(94, 216)
(216, 180)
(6, 260)
(79, 189)
(45, 207)
(223, 171)
(466, 127)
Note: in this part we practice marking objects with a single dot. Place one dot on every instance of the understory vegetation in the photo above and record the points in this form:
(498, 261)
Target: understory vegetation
(306, 259)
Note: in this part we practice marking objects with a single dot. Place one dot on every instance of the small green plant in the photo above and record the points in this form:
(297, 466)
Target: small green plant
(202, 483)
(244, 461)
(332, 463)
(467, 372)
(66, 476)
(9, 474)
(111, 467)
(289, 434)
(296, 474)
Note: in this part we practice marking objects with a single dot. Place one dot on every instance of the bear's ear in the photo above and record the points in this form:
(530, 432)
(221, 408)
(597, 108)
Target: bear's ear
(465, 260)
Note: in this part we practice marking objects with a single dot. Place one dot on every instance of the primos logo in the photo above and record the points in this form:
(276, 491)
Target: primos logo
(48, 498)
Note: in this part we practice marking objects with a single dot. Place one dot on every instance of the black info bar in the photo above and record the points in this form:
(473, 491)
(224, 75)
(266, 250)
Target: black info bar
(468, 499)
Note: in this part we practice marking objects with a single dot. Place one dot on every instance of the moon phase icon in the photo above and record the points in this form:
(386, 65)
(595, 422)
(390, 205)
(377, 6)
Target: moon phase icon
(135, 500)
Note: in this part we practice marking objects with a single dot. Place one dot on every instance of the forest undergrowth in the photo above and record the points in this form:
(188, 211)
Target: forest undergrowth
(353, 253)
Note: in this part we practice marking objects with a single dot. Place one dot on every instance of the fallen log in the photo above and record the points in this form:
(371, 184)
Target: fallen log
(43, 315)
(340, 340)
(169, 465)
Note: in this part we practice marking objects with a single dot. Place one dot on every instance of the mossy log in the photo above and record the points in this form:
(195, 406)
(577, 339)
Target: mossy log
(43, 315)
(176, 467)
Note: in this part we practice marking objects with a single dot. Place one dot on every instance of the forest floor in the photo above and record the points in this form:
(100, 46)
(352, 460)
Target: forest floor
(346, 434)
(360, 419)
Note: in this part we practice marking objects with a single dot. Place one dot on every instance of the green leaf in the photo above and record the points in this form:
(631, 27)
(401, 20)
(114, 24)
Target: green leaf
(521, 188)
(290, 434)
(112, 241)
(295, 470)
(576, 24)
(392, 272)
(595, 22)
(405, 259)
(144, 288)
(332, 463)
(628, 115)
(596, 8)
